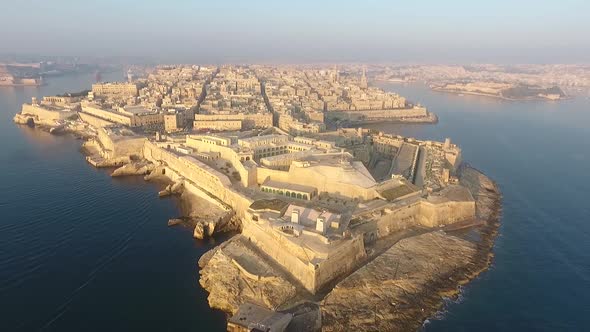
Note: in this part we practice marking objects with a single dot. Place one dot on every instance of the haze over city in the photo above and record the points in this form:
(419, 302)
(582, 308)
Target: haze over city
(298, 166)
(302, 31)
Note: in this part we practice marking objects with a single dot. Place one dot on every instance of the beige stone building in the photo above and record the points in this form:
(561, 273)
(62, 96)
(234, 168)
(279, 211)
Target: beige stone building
(131, 116)
(115, 89)
(248, 121)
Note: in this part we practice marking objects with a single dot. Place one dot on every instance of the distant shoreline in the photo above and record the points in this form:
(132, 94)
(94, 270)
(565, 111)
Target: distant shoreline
(19, 85)
(472, 93)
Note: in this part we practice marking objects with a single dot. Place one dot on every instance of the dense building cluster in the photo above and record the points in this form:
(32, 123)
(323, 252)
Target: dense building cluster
(185, 98)
(233, 101)
(254, 141)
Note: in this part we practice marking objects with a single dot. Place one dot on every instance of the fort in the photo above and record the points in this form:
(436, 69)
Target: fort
(313, 207)
(285, 204)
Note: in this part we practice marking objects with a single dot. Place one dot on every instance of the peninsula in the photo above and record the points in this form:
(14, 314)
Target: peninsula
(549, 82)
(340, 228)
(502, 90)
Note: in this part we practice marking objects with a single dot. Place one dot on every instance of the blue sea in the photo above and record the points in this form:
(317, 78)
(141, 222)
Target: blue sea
(81, 251)
(539, 154)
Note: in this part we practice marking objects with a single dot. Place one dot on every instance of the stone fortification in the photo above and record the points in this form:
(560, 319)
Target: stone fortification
(313, 268)
(119, 142)
(234, 273)
(44, 114)
(391, 114)
(94, 121)
(200, 175)
(247, 175)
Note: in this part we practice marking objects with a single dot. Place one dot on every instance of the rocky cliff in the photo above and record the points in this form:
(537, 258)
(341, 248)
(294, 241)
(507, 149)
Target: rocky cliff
(233, 273)
(401, 288)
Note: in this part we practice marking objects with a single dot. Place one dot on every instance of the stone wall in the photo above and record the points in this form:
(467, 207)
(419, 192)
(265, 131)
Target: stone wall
(275, 175)
(434, 215)
(106, 114)
(424, 213)
(44, 115)
(247, 175)
(112, 147)
(416, 112)
(201, 175)
(296, 259)
(395, 220)
(194, 189)
(340, 262)
(283, 252)
(94, 121)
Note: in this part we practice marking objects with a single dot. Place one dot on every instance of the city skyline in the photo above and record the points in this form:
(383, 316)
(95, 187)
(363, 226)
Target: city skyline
(265, 31)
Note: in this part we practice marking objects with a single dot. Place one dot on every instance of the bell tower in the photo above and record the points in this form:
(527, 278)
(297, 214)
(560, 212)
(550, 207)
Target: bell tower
(363, 82)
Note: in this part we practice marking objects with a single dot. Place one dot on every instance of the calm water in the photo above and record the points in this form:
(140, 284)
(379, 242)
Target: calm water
(80, 251)
(539, 153)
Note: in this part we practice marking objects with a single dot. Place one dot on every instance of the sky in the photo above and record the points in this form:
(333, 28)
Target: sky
(302, 31)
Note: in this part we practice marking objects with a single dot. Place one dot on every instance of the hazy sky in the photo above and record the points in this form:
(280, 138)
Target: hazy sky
(302, 30)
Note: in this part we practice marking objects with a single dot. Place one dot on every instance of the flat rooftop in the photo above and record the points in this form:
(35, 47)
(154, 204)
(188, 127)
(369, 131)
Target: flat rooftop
(289, 186)
(139, 110)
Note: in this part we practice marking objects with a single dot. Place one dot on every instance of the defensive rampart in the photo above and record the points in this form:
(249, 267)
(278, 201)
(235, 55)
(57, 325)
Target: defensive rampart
(401, 216)
(46, 115)
(201, 175)
(313, 269)
(94, 121)
(416, 112)
(247, 175)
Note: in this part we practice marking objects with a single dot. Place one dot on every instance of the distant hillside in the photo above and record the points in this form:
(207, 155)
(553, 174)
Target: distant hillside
(527, 92)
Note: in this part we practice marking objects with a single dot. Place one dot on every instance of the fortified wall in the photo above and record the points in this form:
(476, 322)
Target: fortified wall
(200, 175)
(116, 142)
(247, 175)
(94, 121)
(415, 112)
(105, 114)
(47, 114)
(312, 268)
(433, 211)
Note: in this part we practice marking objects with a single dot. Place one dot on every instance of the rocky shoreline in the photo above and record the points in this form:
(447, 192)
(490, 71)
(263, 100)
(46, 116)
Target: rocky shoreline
(496, 96)
(399, 290)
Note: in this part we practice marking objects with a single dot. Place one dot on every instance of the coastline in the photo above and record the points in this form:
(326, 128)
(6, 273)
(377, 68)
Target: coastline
(431, 119)
(471, 93)
(194, 212)
(20, 85)
(408, 284)
(484, 256)
(431, 298)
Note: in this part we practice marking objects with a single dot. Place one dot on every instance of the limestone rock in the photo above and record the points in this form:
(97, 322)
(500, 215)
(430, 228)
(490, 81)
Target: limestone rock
(210, 228)
(199, 232)
(175, 221)
(234, 273)
(392, 292)
(177, 187)
(24, 119)
(134, 168)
